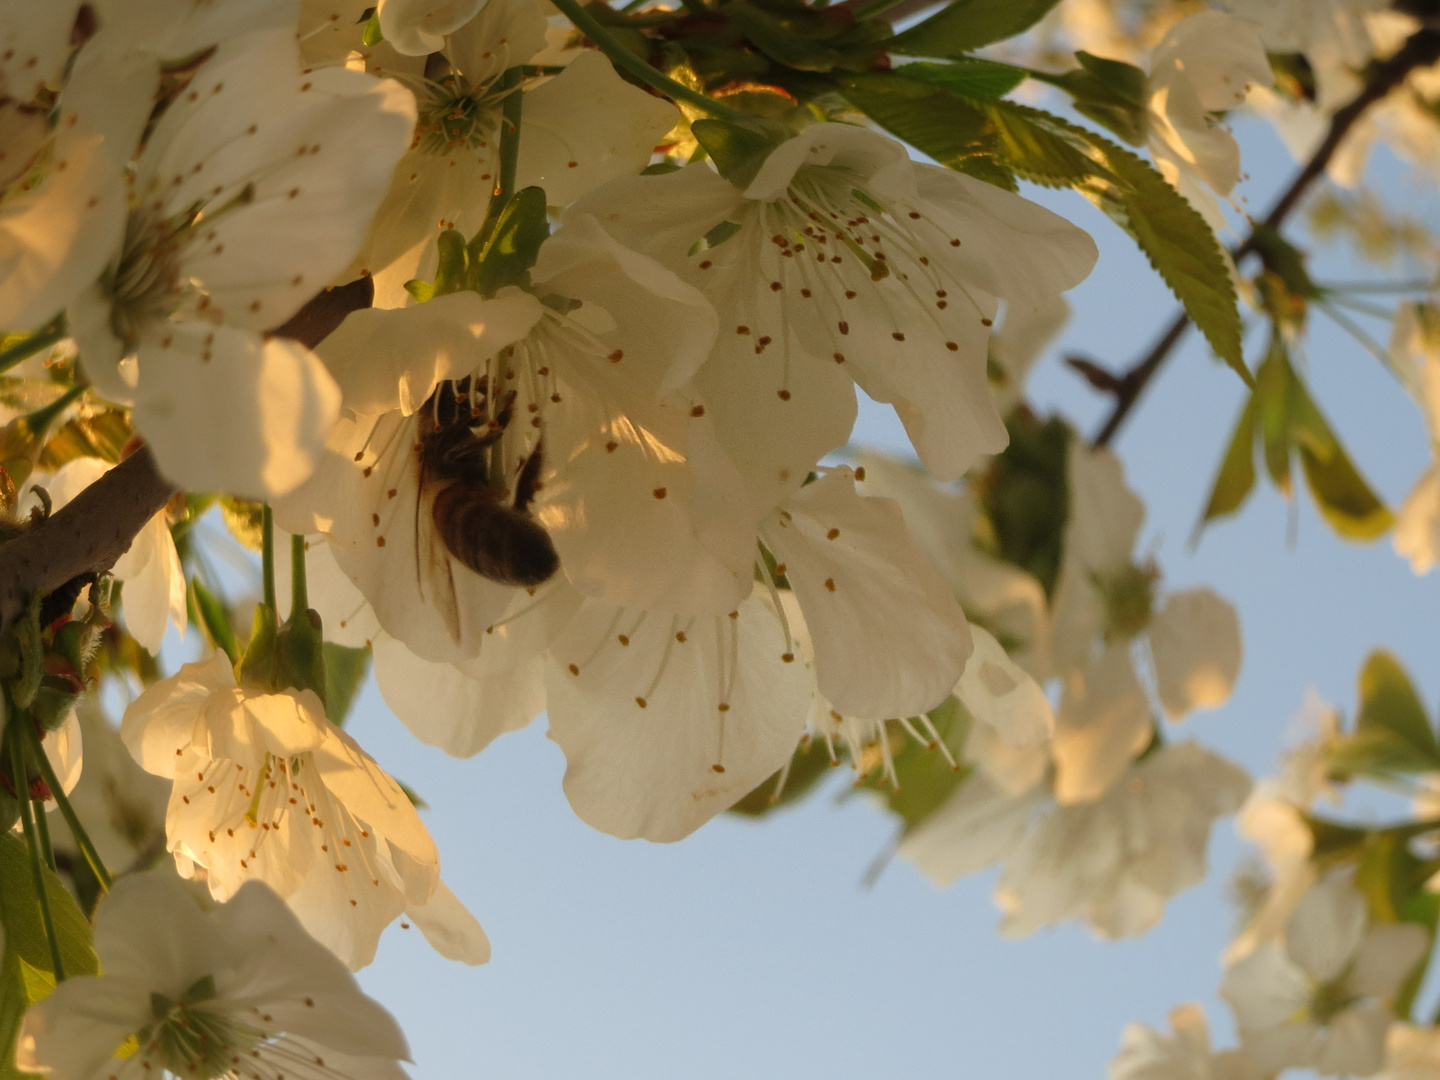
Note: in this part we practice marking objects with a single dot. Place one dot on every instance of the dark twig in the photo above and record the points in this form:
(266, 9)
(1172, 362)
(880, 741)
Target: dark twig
(1421, 50)
(85, 537)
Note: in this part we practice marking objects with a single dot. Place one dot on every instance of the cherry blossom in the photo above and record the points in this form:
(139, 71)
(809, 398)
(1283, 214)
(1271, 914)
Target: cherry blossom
(266, 788)
(192, 994)
(851, 265)
(1319, 1000)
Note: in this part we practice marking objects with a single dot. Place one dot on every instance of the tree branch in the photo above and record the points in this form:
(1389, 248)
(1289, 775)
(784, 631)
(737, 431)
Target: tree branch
(86, 536)
(1420, 50)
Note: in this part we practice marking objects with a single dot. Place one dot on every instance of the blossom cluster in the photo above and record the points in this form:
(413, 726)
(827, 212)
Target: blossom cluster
(544, 358)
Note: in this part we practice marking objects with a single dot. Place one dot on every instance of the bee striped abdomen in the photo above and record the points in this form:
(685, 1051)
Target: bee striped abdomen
(497, 542)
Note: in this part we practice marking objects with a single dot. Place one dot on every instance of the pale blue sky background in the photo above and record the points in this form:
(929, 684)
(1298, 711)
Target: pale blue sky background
(751, 950)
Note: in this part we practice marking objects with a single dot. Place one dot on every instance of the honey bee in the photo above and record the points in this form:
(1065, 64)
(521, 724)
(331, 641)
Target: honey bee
(498, 541)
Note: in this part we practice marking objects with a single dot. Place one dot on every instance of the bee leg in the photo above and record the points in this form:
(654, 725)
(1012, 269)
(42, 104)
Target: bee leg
(527, 484)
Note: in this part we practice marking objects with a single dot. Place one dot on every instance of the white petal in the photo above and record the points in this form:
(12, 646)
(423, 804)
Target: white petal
(223, 409)
(450, 928)
(588, 126)
(1355, 1042)
(1387, 954)
(665, 721)
(1265, 988)
(977, 826)
(373, 796)
(445, 705)
(1104, 721)
(1417, 523)
(1327, 928)
(163, 721)
(889, 638)
(999, 693)
(1195, 642)
(417, 27)
(56, 239)
(393, 359)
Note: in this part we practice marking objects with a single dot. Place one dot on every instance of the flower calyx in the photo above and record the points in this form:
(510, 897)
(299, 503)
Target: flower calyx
(500, 254)
(739, 151)
(284, 656)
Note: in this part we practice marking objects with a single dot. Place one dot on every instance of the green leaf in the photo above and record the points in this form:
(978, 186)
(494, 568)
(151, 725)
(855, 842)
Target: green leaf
(213, 617)
(1236, 478)
(450, 271)
(969, 75)
(373, 35)
(1110, 92)
(1388, 702)
(738, 152)
(1284, 260)
(808, 767)
(780, 42)
(514, 245)
(1177, 241)
(1344, 498)
(947, 127)
(345, 671)
(967, 25)
(1039, 147)
(1272, 398)
(26, 973)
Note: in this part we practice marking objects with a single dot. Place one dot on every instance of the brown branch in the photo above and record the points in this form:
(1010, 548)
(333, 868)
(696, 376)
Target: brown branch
(1421, 50)
(86, 536)
(99, 524)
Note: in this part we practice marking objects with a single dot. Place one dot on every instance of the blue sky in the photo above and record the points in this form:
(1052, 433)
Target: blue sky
(753, 950)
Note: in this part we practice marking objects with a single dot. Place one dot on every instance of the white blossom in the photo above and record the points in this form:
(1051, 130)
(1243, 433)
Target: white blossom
(1411, 1053)
(253, 190)
(1103, 602)
(1201, 67)
(186, 993)
(267, 788)
(851, 264)
(1116, 862)
(1320, 999)
(1147, 1054)
(633, 493)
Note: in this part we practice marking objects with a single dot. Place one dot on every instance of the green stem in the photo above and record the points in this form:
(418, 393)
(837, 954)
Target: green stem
(40, 420)
(299, 601)
(41, 339)
(623, 58)
(510, 112)
(21, 776)
(267, 555)
(67, 811)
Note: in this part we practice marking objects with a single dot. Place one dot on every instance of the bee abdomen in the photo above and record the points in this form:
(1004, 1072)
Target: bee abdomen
(492, 539)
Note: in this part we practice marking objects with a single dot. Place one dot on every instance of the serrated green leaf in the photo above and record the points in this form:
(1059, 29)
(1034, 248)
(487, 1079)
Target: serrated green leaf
(967, 25)
(1039, 147)
(947, 127)
(1344, 498)
(1178, 242)
(26, 972)
(1110, 92)
(1236, 478)
(968, 75)
(345, 671)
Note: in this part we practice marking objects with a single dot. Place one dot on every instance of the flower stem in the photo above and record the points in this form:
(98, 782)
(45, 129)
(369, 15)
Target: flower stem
(510, 112)
(623, 58)
(41, 339)
(82, 838)
(299, 600)
(267, 555)
(21, 774)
